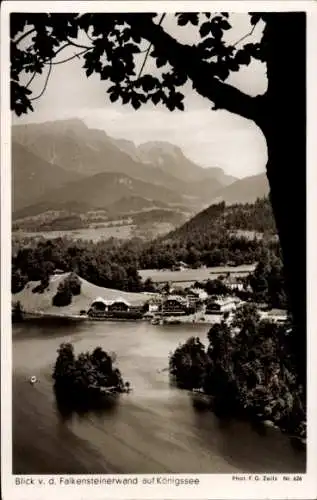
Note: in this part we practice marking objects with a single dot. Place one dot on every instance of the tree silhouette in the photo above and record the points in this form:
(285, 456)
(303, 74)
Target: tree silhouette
(114, 47)
(249, 373)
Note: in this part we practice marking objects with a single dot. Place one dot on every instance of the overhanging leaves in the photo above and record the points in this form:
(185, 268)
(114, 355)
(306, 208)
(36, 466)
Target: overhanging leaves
(113, 51)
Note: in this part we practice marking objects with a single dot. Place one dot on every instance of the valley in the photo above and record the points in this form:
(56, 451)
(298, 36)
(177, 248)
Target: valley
(69, 177)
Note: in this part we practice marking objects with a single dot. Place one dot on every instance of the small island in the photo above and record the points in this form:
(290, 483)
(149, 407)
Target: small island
(87, 381)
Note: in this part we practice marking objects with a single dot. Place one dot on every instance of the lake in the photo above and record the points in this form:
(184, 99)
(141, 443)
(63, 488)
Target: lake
(154, 429)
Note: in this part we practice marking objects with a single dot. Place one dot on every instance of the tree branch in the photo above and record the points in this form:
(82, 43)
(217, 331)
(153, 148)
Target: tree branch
(185, 58)
(69, 58)
(244, 37)
(77, 44)
(60, 50)
(45, 84)
(149, 48)
(31, 79)
(51, 63)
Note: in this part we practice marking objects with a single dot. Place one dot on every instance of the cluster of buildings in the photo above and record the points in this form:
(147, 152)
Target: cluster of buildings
(194, 301)
(162, 305)
(174, 304)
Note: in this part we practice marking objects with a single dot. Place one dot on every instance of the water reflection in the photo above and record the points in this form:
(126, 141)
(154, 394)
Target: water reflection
(66, 407)
(154, 429)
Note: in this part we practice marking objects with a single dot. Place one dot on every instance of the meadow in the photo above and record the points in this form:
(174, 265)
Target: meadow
(101, 232)
(192, 275)
(92, 234)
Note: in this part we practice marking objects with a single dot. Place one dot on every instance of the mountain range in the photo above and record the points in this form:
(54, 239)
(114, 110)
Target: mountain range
(65, 163)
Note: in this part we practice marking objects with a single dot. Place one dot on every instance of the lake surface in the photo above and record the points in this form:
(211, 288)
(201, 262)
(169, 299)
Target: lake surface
(154, 429)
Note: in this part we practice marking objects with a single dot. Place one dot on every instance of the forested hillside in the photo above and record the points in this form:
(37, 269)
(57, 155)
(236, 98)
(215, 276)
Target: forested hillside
(257, 217)
(209, 239)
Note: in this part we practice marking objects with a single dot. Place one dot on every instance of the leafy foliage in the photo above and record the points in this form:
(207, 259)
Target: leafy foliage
(70, 286)
(256, 217)
(216, 287)
(74, 284)
(112, 48)
(63, 296)
(246, 369)
(188, 364)
(103, 264)
(267, 281)
(83, 379)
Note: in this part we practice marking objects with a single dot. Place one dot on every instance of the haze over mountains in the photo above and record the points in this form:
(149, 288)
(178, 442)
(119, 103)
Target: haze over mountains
(65, 163)
(33, 176)
(245, 190)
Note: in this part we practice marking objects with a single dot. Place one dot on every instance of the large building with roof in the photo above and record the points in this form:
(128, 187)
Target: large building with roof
(117, 308)
(221, 305)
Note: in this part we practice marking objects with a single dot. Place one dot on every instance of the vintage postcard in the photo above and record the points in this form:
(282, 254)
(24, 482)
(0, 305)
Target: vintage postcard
(158, 250)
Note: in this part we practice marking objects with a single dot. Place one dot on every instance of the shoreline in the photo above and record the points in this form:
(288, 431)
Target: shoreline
(207, 320)
(205, 402)
(29, 316)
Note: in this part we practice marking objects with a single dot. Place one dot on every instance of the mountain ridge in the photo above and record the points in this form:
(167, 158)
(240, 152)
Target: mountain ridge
(32, 176)
(54, 160)
(105, 188)
(74, 146)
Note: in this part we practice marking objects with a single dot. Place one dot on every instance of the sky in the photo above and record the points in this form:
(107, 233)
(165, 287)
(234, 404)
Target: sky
(209, 138)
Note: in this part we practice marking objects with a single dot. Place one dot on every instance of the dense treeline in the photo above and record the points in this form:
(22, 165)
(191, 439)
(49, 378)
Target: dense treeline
(83, 380)
(250, 372)
(72, 221)
(114, 263)
(268, 282)
(197, 249)
(35, 261)
(256, 216)
(205, 240)
(60, 223)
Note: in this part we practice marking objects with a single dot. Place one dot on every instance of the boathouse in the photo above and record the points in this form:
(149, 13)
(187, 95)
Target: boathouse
(118, 308)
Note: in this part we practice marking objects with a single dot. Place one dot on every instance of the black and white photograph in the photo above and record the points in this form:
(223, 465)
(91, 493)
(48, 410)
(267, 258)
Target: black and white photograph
(154, 197)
